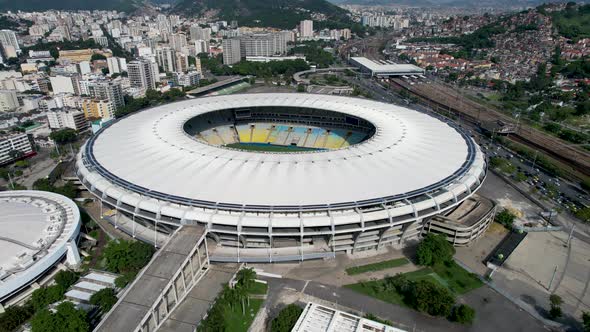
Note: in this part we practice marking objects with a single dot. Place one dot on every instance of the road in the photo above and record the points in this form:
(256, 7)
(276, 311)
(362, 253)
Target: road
(492, 309)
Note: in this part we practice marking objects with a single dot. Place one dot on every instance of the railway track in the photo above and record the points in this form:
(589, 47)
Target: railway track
(443, 99)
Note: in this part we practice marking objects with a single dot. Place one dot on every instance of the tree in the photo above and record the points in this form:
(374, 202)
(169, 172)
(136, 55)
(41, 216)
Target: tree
(300, 88)
(431, 298)
(66, 318)
(66, 278)
(583, 214)
(15, 316)
(463, 314)
(104, 298)
(4, 174)
(286, 319)
(433, 249)
(246, 278)
(555, 301)
(45, 296)
(506, 218)
(63, 136)
(586, 321)
(97, 56)
(127, 256)
(215, 320)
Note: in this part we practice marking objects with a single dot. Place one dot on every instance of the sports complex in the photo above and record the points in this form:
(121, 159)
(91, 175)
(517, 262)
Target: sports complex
(283, 176)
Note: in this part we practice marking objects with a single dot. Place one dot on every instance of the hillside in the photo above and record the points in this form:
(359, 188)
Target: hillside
(41, 5)
(275, 13)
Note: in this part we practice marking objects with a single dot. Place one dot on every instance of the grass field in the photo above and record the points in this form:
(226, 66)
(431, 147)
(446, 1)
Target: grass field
(451, 276)
(258, 289)
(237, 322)
(268, 147)
(376, 266)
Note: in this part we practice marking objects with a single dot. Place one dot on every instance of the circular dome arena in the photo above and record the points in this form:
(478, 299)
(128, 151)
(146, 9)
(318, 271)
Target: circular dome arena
(37, 229)
(281, 171)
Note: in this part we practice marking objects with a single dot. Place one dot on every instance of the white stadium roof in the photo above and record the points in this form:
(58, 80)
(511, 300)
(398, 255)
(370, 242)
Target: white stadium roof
(150, 152)
(387, 67)
(34, 229)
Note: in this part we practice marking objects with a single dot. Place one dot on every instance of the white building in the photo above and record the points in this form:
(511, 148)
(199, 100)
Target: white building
(166, 58)
(201, 46)
(14, 142)
(188, 79)
(306, 29)
(8, 41)
(319, 318)
(143, 74)
(8, 100)
(84, 67)
(178, 41)
(107, 90)
(67, 118)
(231, 51)
(64, 84)
(116, 65)
(198, 33)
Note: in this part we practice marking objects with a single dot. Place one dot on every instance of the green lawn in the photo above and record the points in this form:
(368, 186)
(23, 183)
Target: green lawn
(453, 277)
(377, 266)
(371, 288)
(258, 289)
(237, 322)
(458, 280)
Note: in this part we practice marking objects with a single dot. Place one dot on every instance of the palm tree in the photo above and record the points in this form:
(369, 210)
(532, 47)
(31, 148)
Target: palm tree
(241, 295)
(229, 295)
(246, 277)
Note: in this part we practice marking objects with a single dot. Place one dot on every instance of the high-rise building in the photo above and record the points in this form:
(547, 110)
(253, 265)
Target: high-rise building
(266, 44)
(142, 74)
(181, 63)
(306, 29)
(67, 118)
(201, 46)
(98, 109)
(198, 33)
(166, 58)
(107, 90)
(178, 41)
(116, 65)
(231, 51)
(198, 68)
(8, 39)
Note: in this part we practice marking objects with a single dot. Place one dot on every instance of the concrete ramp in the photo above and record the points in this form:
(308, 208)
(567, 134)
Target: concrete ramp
(162, 284)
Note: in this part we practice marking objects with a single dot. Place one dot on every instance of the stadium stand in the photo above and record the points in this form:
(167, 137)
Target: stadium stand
(297, 128)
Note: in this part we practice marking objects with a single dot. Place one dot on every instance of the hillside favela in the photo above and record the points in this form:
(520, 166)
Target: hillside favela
(294, 166)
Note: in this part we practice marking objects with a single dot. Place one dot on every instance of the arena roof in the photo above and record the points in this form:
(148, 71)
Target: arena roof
(386, 68)
(34, 229)
(410, 153)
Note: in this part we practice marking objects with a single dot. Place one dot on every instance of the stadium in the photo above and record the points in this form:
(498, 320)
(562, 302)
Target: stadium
(37, 229)
(279, 177)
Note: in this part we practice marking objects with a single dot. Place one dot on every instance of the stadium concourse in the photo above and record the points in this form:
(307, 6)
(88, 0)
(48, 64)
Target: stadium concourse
(281, 177)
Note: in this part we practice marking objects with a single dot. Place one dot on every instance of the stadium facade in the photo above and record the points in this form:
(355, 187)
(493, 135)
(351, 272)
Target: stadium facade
(278, 177)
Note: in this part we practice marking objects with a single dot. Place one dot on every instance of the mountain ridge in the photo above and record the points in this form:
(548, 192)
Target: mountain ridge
(274, 13)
